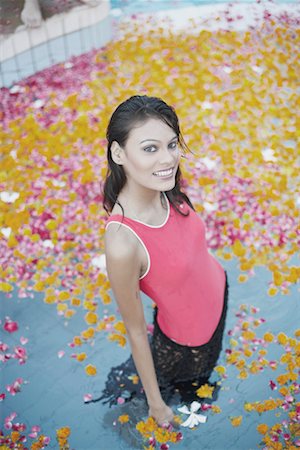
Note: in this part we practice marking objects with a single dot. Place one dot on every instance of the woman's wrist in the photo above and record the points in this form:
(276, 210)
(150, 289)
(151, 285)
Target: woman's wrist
(156, 403)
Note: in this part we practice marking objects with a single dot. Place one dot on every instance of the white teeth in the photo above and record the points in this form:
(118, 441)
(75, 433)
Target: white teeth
(164, 173)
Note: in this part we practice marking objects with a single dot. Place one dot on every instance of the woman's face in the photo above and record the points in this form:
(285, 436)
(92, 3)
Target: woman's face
(151, 156)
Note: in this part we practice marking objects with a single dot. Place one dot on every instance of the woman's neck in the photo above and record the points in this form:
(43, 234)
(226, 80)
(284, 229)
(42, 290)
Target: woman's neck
(147, 207)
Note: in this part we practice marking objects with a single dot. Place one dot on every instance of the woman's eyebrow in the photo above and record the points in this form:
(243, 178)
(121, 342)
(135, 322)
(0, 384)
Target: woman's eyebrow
(145, 140)
(157, 140)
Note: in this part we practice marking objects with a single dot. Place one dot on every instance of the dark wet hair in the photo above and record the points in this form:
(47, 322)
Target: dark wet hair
(136, 109)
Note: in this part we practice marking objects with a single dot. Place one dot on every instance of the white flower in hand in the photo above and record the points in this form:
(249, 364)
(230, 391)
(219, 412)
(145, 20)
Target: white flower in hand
(194, 418)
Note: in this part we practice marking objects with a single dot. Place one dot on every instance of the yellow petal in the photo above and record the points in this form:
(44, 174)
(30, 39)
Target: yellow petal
(236, 421)
(205, 391)
(91, 370)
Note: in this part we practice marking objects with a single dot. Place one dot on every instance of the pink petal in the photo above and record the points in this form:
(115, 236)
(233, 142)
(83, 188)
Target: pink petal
(33, 435)
(150, 328)
(164, 447)
(152, 441)
(3, 347)
(11, 417)
(8, 425)
(10, 326)
(179, 436)
(205, 406)
(87, 397)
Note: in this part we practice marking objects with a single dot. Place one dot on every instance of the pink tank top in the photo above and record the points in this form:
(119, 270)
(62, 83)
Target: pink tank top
(184, 280)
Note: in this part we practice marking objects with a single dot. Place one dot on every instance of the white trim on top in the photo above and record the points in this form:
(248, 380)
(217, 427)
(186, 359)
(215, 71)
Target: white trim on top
(146, 224)
(140, 240)
(164, 222)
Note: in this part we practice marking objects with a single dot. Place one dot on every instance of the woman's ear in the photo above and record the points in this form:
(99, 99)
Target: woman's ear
(116, 153)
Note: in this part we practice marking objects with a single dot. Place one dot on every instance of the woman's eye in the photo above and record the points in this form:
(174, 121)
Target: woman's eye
(150, 149)
(173, 145)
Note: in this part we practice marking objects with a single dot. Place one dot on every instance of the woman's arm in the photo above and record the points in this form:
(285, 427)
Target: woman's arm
(123, 267)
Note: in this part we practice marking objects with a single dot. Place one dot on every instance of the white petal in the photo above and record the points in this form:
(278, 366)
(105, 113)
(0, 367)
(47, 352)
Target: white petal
(100, 262)
(210, 206)
(187, 422)
(16, 88)
(195, 406)
(6, 232)
(38, 103)
(194, 421)
(268, 154)
(210, 163)
(206, 105)
(48, 243)
(9, 197)
(184, 409)
(58, 183)
(257, 69)
(227, 69)
(201, 418)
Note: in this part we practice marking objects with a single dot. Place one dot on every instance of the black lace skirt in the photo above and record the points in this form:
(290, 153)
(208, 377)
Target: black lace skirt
(179, 363)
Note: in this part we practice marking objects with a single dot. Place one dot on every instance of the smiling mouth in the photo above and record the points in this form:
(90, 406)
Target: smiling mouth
(164, 173)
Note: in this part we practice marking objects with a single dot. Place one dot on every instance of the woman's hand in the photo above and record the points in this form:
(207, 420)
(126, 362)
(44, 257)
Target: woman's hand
(163, 414)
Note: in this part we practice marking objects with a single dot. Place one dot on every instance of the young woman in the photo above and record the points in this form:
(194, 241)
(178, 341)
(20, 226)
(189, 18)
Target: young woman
(155, 243)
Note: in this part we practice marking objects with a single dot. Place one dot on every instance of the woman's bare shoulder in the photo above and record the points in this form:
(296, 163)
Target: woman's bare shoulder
(120, 241)
(123, 260)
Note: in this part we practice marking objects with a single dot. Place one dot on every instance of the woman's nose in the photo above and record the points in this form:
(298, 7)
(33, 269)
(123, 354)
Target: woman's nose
(167, 156)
